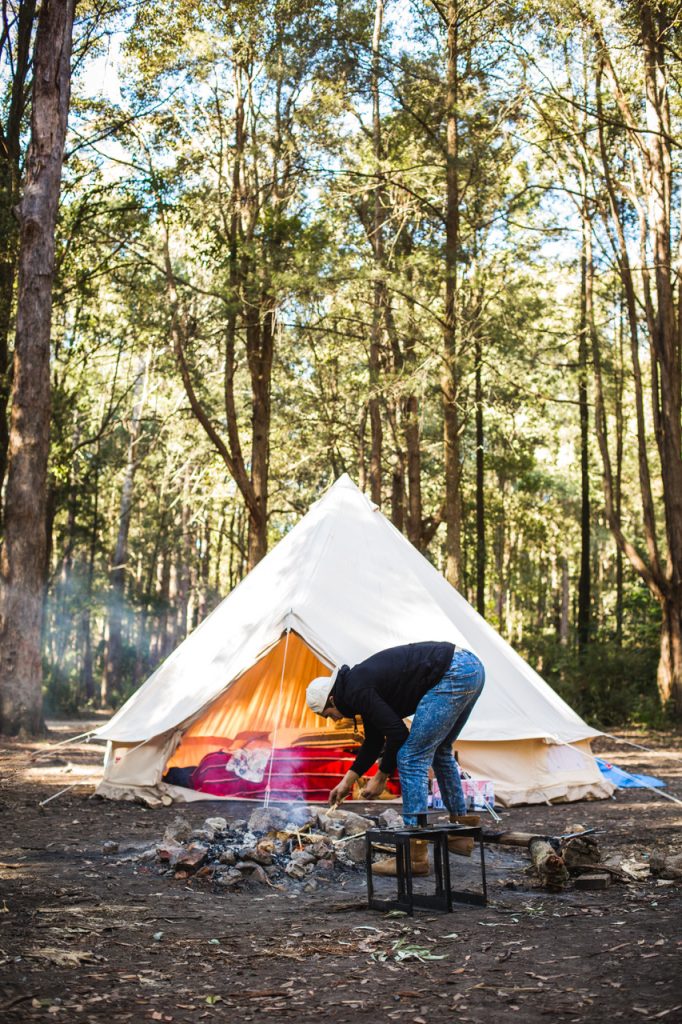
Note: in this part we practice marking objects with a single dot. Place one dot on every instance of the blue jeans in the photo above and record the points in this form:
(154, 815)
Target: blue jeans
(440, 717)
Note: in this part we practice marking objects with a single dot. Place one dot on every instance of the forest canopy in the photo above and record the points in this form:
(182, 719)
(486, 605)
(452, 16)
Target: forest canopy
(434, 245)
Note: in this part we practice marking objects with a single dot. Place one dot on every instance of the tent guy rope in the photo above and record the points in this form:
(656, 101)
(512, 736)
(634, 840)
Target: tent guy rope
(639, 746)
(641, 785)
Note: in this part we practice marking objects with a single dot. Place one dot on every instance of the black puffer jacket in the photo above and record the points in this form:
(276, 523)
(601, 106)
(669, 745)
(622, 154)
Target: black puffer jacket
(383, 690)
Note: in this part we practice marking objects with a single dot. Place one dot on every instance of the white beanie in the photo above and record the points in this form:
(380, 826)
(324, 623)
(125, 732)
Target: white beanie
(317, 693)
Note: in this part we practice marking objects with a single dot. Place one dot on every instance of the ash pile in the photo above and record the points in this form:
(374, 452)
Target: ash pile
(276, 846)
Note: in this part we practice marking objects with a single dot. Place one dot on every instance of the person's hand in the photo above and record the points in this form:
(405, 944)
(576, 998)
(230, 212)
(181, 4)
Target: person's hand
(344, 787)
(338, 794)
(375, 786)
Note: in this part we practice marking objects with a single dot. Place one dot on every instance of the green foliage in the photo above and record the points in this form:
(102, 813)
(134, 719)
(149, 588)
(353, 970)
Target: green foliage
(159, 175)
(607, 685)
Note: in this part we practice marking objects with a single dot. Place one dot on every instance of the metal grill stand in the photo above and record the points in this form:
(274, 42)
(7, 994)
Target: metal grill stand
(398, 839)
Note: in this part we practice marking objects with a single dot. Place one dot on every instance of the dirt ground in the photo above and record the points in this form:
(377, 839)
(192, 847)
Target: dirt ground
(88, 936)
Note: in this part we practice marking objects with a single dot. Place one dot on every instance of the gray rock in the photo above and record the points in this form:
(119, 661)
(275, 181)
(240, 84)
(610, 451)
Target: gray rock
(267, 819)
(259, 875)
(300, 815)
(355, 850)
(228, 856)
(257, 854)
(294, 870)
(214, 825)
(325, 866)
(202, 835)
(345, 823)
(245, 852)
(310, 885)
(334, 829)
(390, 818)
(110, 846)
(321, 849)
(178, 831)
(249, 869)
(303, 857)
(229, 878)
(354, 824)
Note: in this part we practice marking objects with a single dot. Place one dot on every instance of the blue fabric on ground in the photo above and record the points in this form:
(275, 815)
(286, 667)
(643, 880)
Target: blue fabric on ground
(626, 780)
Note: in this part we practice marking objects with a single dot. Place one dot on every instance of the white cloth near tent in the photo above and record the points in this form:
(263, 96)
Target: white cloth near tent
(349, 584)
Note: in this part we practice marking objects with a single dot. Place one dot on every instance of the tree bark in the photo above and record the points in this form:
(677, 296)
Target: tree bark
(565, 603)
(480, 482)
(449, 370)
(586, 300)
(377, 241)
(22, 562)
(113, 652)
(10, 188)
(88, 674)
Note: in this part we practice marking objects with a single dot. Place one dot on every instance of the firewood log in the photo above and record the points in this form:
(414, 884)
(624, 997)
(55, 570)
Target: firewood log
(548, 864)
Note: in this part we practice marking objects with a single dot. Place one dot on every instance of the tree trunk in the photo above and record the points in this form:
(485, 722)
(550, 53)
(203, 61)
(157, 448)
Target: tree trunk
(377, 241)
(449, 371)
(670, 660)
(586, 298)
(10, 186)
(260, 349)
(184, 601)
(480, 484)
(113, 652)
(22, 566)
(618, 497)
(565, 603)
(88, 674)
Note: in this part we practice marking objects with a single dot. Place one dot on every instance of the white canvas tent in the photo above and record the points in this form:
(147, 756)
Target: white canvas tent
(341, 585)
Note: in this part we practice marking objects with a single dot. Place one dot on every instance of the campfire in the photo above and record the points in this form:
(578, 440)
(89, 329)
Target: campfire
(276, 846)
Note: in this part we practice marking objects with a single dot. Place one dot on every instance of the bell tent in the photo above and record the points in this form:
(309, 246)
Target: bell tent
(340, 586)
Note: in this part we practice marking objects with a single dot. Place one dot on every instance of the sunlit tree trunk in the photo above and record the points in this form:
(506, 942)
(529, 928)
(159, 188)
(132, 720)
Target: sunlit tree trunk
(23, 558)
(480, 482)
(450, 370)
(584, 579)
(113, 652)
(10, 190)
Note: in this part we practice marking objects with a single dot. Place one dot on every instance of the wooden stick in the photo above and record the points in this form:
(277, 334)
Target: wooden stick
(511, 838)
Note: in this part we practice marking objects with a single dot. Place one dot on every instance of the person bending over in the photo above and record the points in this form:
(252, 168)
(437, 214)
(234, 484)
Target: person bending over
(438, 684)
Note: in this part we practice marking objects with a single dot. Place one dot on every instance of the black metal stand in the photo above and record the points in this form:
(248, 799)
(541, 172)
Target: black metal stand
(437, 836)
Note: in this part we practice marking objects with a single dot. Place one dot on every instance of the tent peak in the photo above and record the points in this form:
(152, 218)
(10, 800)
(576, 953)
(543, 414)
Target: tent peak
(346, 483)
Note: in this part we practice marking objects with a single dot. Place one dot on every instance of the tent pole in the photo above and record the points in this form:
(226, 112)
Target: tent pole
(266, 797)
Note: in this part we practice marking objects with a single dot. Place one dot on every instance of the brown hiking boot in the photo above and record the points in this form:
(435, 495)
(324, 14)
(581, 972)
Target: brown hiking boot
(463, 847)
(419, 856)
